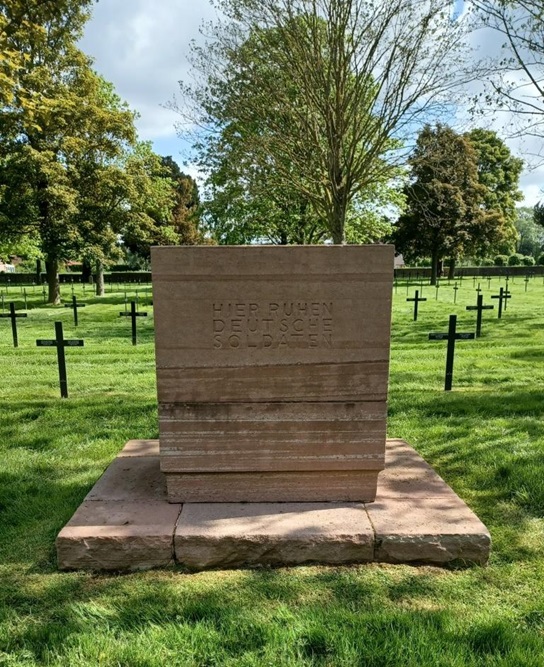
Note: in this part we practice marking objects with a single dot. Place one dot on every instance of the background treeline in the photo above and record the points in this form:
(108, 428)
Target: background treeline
(328, 122)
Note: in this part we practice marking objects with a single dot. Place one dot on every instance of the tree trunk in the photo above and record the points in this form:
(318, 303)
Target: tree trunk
(337, 217)
(451, 268)
(434, 267)
(38, 271)
(99, 279)
(53, 282)
(86, 271)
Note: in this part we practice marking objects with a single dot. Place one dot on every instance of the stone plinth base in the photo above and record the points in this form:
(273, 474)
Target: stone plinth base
(126, 523)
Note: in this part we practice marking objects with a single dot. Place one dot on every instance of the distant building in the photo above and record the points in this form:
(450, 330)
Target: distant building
(6, 268)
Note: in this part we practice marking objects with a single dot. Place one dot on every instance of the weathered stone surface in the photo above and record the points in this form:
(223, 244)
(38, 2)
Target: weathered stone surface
(130, 479)
(118, 535)
(437, 529)
(131, 526)
(408, 475)
(140, 448)
(303, 487)
(271, 361)
(237, 445)
(233, 534)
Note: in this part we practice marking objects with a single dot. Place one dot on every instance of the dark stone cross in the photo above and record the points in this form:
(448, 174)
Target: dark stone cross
(75, 305)
(416, 301)
(60, 343)
(508, 296)
(526, 282)
(502, 296)
(479, 288)
(436, 288)
(455, 288)
(479, 307)
(13, 316)
(451, 337)
(133, 315)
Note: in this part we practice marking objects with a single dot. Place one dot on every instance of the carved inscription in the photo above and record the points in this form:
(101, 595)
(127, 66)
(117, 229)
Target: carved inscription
(274, 324)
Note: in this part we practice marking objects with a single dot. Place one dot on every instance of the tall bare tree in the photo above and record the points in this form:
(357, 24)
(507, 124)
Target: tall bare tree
(354, 79)
(518, 81)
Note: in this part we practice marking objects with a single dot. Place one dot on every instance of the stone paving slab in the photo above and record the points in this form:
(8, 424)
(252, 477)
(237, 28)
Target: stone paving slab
(118, 535)
(126, 523)
(131, 479)
(236, 534)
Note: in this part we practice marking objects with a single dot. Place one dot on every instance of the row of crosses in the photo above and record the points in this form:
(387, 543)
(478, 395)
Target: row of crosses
(60, 342)
(452, 335)
(503, 296)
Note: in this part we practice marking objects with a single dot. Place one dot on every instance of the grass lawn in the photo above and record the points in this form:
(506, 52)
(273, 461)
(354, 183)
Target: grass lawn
(485, 438)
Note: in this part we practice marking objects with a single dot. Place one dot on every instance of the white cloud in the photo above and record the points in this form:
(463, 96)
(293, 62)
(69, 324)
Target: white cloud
(141, 46)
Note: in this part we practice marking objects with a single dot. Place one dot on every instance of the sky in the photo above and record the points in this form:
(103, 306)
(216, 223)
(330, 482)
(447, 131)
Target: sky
(141, 46)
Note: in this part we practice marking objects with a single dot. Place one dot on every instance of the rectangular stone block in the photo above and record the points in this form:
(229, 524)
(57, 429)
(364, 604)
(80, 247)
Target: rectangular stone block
(438, 529)
(272, 363)
(118, 535)
(272, 437)
(355, 381)
(302, 486)
(232, 535)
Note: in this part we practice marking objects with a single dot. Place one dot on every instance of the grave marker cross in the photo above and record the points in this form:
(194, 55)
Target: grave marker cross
(501, 296)
(75, 305)
(451, 337)
(133, 315)
(416, 301)
(479, 307)
(13, 317)
(60, 343)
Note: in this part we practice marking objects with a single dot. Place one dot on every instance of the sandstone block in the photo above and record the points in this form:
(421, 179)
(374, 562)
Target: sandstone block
(231, 535)
(338, 486)
(262, 353)
(436, 529)
(118, 535)
(130, 479)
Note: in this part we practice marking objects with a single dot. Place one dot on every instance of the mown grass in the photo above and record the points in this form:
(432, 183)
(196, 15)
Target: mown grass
(486, 438)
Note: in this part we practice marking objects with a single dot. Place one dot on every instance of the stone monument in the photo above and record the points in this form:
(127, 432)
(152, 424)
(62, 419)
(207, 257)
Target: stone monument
(272, 370)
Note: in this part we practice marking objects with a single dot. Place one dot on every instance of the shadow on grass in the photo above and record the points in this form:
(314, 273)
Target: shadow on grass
(278, 617)
(490, 450)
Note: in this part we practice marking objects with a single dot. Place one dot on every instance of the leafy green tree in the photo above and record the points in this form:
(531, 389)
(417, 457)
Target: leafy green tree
(149, 214)
(530, 240)
(186, 210)
(47, 133)
(445, 215)
(325, 91)
(499, 172)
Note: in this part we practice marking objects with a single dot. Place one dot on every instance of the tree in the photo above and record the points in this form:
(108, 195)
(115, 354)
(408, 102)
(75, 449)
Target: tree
(149, 213)
(530, 234)
(186, 210)
(499, 172)
(445, 214)
(345, 81)
(57, 118)
(519, 76)
(538, 214)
